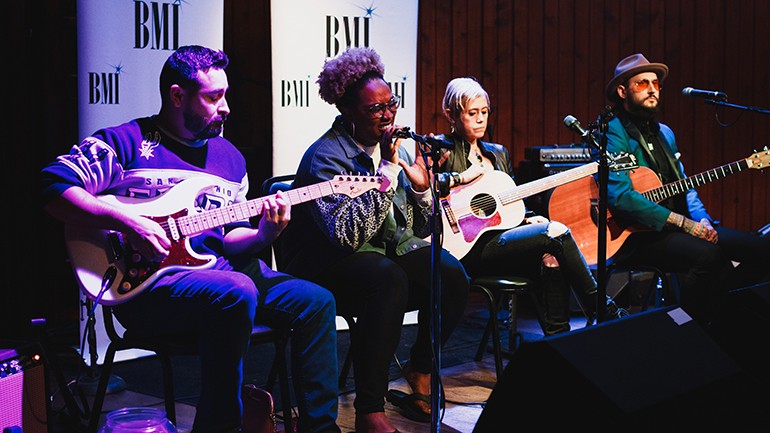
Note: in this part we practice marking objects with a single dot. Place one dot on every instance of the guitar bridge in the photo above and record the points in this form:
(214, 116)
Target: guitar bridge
(450, 216)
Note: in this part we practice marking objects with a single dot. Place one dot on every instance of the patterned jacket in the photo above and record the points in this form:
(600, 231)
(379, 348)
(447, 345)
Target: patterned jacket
(327, 229)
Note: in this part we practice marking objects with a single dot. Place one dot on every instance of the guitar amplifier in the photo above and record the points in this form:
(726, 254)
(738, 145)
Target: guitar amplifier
(560, 153)
(23, 390)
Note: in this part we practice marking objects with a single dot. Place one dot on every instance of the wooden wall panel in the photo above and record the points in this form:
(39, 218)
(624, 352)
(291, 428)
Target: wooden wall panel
(761, 96)
(551, 58)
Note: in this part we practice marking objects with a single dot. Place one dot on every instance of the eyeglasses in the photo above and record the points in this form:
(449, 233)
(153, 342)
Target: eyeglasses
(641, 86)
(377, 110)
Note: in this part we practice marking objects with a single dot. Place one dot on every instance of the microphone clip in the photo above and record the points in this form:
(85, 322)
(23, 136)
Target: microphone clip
(434, 143)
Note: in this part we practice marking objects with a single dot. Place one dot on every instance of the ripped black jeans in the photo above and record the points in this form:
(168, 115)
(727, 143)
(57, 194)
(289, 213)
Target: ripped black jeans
(520, 250)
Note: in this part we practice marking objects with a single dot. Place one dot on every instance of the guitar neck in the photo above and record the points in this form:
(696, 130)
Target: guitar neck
(193, 224)
(683, 185)
(537, 186)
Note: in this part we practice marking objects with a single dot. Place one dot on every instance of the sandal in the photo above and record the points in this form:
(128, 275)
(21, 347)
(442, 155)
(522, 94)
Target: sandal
(408, 404)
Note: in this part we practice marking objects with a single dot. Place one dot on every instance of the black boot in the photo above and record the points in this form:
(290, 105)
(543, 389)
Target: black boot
(556, 302)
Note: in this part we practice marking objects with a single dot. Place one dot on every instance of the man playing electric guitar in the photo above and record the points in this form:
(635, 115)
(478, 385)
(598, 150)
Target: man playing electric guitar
(681, 236)
(156, 157)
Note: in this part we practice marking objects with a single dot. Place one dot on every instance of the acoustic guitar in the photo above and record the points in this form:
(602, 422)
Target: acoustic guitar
(576, 204)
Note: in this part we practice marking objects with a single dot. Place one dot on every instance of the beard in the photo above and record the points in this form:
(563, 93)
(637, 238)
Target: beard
(201, 127)
(641, 111)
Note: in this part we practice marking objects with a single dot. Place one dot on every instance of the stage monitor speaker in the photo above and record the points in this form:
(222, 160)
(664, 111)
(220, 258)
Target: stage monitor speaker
(742, 327)
(23, 390)
(652, 371)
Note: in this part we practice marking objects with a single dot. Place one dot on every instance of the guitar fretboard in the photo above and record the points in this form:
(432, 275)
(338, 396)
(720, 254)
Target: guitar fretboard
(535, 187)
(197, 223)
(680, 186)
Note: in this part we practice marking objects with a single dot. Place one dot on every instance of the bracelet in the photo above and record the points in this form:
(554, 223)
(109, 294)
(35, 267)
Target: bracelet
(457, 178)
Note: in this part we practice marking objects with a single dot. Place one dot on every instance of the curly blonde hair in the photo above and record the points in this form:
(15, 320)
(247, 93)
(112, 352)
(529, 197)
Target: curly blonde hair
(346, 71)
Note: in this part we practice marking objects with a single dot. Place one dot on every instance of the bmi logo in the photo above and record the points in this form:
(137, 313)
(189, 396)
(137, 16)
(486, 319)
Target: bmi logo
(295, 93)
(104, 87)
(346, 32)
(156, 25)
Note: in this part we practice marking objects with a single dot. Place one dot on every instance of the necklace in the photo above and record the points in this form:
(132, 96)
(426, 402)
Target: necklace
(474, 150)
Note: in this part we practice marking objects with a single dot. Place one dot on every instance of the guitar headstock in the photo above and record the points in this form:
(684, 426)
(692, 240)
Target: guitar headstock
(759, 160)
(355, 185)
(622, 161)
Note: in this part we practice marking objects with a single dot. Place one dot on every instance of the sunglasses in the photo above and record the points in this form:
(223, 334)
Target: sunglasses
(641, 86)
(377, 110)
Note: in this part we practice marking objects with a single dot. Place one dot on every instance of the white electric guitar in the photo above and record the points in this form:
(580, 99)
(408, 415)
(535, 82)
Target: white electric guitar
(110, 272)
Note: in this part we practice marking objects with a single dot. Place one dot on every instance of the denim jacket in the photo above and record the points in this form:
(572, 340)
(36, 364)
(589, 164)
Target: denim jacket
(326, 229)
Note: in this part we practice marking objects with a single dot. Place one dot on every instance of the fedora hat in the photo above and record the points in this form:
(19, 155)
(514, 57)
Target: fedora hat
(630, 66)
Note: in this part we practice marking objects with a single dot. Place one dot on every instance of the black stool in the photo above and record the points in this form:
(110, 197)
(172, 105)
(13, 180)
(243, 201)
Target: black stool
(498, 289)
(659, 292)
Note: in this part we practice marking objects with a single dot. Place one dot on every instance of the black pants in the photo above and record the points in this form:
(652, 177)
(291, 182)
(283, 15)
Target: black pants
(519, 251)
(706, 272)
(378, 290)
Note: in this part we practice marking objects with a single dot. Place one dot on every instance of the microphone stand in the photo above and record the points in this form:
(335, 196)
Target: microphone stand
(742, 107)
(603, 173)
(435, 293)
(435, 245)
(601, 253)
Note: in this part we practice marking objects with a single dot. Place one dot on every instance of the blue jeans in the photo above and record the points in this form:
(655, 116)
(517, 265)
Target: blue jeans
(216, 306)
(309, 311)
(220, 307)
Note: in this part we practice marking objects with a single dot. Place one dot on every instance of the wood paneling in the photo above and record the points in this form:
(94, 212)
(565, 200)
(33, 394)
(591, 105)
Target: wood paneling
(543, 60)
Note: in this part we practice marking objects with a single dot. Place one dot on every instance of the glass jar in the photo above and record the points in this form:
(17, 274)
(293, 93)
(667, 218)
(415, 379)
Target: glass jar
(137, 420)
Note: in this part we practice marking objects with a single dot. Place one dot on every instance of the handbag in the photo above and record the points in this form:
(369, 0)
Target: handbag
(258, 410)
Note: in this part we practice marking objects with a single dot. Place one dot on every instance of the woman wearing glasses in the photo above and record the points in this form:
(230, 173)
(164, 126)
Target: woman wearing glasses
(368, 249)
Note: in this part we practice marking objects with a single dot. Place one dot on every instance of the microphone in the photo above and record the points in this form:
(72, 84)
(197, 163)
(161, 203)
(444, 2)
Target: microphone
(709, 94)
(434, 142)
(574, 125)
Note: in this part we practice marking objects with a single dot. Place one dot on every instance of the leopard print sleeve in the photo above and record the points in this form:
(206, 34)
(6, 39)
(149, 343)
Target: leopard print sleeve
(352, 222)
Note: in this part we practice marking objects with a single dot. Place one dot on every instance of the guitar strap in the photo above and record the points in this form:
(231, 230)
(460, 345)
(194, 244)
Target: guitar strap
(664, 147)
(670, 157)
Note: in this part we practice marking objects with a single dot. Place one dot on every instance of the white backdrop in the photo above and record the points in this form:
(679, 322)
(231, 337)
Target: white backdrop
(121, 48)
(307, 32)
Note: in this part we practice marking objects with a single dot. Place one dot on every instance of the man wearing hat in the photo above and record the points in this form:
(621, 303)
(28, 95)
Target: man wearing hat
(680, 235)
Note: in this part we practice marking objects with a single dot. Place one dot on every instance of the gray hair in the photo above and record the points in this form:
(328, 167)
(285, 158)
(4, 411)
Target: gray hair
(459, 92)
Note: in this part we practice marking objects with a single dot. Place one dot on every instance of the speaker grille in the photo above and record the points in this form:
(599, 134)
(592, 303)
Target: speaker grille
(23, 390)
